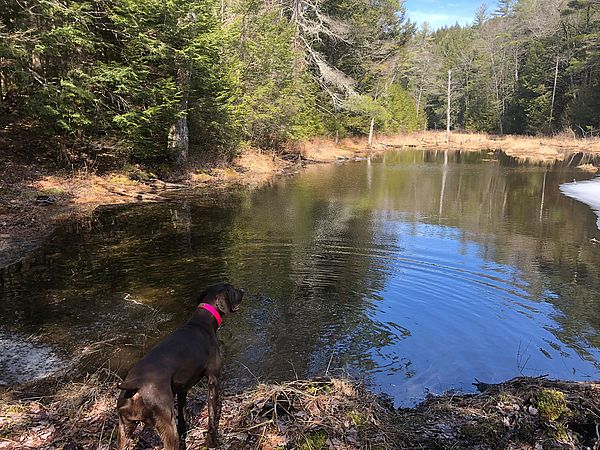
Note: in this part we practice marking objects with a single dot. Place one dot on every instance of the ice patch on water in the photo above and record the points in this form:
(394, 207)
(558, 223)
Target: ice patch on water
(587, 192)
(24, 358)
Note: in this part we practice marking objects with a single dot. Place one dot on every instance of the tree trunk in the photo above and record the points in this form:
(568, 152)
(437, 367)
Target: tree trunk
(497, 89)
(419, 96)
(448, 109)
(179, 139)
(371, 131)
(2, 82)
(516, 64)
(554, 90)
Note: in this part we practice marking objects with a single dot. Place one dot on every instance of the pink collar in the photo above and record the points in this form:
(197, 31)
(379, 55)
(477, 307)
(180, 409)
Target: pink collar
(211, 309)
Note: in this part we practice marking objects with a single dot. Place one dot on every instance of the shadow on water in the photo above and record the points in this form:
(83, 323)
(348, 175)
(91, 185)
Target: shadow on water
(419, 270)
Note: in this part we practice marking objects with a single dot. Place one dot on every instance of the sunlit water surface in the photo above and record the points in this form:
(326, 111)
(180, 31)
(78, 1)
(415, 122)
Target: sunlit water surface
(416, 274)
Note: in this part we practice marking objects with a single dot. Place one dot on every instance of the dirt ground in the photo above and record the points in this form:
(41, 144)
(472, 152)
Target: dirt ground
(316, 414)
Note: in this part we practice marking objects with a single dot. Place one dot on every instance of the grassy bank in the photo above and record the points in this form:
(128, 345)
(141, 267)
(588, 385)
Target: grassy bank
(535, 148)
(324, 413)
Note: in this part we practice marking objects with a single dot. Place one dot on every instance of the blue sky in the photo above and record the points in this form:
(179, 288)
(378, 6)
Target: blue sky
(438, 12)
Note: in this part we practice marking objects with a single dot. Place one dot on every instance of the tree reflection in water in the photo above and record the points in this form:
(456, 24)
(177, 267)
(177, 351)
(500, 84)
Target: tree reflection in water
(419, 270)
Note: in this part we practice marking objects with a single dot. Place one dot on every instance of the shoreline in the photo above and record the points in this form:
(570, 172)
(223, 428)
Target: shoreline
(35, 201)
(319, 413)
(36, 197)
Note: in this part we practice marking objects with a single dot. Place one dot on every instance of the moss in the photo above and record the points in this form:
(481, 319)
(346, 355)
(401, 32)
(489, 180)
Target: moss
(5, 433)
(358, 419)
(56, 191)
(561, 433)
(318, 388)
(316, 440)
(15, 408)
(484, 432)
(123, 180)
(507, 398)
(551, 404)
(30, 195)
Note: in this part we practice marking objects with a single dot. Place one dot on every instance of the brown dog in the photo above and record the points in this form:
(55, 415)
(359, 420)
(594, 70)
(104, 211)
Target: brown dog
(172, 367)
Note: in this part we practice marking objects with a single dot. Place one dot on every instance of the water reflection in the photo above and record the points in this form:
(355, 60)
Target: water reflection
(587, 192)
(420, 270)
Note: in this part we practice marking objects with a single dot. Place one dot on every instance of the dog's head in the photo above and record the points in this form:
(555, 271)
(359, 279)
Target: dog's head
(222, 296)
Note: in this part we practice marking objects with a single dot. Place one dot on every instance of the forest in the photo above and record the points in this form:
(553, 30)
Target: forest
(161, 81)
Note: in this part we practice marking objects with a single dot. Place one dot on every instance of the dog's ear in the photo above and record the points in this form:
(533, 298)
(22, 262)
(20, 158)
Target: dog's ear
(223, 301)
(201, 296)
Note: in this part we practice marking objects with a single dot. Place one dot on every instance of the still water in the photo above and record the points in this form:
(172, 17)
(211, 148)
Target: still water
(418, 271)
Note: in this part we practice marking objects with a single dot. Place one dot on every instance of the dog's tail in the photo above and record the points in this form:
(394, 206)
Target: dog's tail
(125, 386)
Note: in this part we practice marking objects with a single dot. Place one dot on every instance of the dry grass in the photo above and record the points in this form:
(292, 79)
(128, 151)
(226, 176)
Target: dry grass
(323, 413)
(252, 167)
(326, 150)
(319, 413)
(523, 413)
(316, 414)
(544, 148)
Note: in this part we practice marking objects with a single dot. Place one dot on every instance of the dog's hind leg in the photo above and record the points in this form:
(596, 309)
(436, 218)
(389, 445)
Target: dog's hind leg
(167, 428)
(126, 428)
(213, 413)
(181, 425)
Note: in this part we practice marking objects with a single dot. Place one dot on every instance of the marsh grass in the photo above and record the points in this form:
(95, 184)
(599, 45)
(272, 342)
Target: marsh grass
(534, 148)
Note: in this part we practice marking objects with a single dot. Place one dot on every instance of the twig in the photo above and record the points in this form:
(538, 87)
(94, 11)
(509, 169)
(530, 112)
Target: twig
(251, 373)
(243, 430)
(329, 364)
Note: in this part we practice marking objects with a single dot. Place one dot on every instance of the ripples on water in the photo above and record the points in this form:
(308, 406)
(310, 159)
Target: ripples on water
(418, 275)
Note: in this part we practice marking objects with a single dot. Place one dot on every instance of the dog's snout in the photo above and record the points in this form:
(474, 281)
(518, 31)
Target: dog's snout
(242, 291)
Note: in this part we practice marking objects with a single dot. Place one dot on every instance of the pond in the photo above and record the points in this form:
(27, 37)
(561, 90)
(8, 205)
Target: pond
(417, 270)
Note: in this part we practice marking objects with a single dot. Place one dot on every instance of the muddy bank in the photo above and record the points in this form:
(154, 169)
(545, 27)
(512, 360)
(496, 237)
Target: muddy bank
(323, 413)
(35, 197)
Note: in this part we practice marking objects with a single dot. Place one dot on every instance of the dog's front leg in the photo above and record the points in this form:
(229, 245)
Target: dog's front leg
(213, 416)
(181, 425)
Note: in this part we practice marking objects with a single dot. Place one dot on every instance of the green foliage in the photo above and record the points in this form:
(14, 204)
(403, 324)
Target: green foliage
(109, 70)
(242, 71)
(395, 111)
(402, 108)
(535, 90)
(316, 440)
(504, 73)
(551, 404)
(277, 101)
(269, 74)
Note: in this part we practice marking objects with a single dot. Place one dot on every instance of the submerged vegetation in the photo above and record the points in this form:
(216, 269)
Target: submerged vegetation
(322, 413)
(161, 81)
